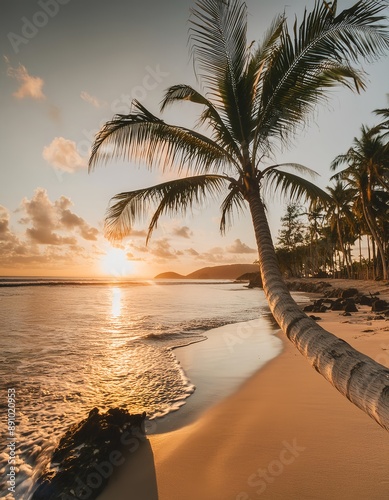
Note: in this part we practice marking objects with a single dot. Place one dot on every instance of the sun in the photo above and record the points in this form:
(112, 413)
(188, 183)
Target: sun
(116, 263)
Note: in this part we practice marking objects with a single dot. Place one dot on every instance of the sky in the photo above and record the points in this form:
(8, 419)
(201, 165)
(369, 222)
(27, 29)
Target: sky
(66, 67)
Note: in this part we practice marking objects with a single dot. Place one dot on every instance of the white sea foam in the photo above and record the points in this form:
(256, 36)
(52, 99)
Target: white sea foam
(66, 349)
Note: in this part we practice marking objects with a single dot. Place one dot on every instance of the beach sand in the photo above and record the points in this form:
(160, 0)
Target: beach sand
(285, 433)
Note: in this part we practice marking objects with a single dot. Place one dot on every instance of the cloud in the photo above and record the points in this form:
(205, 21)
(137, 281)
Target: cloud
(70, 221)
(73, 221)
(49, 221)
(183, 232)
(97, 103)
(53, 239)
(14, 251)
(62, 154)
(4, 224)
(7, 239)
(163, 250)
(31, 86)
(193, 252)
(140, 248)
(54, 113)
(239, 247)
(138, 234)
(40, 214)
(215, 255)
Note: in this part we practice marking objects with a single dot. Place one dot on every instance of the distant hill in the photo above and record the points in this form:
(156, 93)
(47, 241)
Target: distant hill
(169, 276)
(227, 272)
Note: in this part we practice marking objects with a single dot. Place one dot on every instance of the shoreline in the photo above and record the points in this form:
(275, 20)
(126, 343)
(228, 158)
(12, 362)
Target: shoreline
(285, 433)
(234, 342)
(219, 364)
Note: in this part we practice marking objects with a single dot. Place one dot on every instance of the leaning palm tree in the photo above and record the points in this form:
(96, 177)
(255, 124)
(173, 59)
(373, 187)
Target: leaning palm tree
(253, 100)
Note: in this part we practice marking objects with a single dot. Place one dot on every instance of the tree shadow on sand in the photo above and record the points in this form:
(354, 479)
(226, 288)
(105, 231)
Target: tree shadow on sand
(136, 477)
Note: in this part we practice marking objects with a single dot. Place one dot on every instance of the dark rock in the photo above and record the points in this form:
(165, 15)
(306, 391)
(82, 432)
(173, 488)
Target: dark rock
(349, 292)
(307, 286)
(365, 300)
(84, 459)
(379, 305)
(315, 318)
(337, 305)
(346, 314)
(254, 280)
(308, 308)
(349, 306)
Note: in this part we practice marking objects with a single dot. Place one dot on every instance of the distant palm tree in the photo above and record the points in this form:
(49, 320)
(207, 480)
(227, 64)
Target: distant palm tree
(254, 99)
(368, 173)
(342, 219)
(383, 127)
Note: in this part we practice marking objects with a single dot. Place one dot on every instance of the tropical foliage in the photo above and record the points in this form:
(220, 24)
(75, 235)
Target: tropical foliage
(254, 98)
(351, 239)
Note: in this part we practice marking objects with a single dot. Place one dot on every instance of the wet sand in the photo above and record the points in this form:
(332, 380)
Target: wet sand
(285, 433)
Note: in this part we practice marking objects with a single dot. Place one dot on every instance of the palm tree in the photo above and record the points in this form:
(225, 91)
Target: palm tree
(383, 127)
(368, 173)
(341, 218)
(253, 100)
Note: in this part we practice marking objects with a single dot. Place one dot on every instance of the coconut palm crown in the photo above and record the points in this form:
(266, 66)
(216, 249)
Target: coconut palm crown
(367, 172)
(254, 99)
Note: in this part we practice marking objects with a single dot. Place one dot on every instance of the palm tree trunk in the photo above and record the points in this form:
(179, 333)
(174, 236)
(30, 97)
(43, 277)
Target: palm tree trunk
(369, 217)
(362, 380)
(343, 249)
(369, 258)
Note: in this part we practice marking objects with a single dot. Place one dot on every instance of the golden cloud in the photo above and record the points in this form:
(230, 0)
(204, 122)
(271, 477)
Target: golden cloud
(31, 86)
(62, 153)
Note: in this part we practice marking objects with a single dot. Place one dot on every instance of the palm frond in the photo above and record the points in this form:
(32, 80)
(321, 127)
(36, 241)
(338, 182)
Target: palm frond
(316, 57)
(340, 160)
(298, 167)
(384, 112)
(141, 136)
(258, 65)
(294, 186)
(209, 117)
(233, 202)
(382, 127)
(343, 198)
(219, 43)
(171, 197)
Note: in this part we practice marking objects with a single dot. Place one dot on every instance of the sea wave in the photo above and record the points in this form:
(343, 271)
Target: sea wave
(72, 348)
(19, 282)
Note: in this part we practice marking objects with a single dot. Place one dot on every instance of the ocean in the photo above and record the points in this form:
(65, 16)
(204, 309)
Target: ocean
(68, 346)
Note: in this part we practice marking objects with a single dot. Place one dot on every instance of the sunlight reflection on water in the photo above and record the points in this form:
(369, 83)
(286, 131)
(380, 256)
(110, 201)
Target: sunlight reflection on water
(116, 301)
(71, 348)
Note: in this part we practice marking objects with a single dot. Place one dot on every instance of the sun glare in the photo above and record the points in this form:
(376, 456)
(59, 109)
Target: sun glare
(116, 263)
